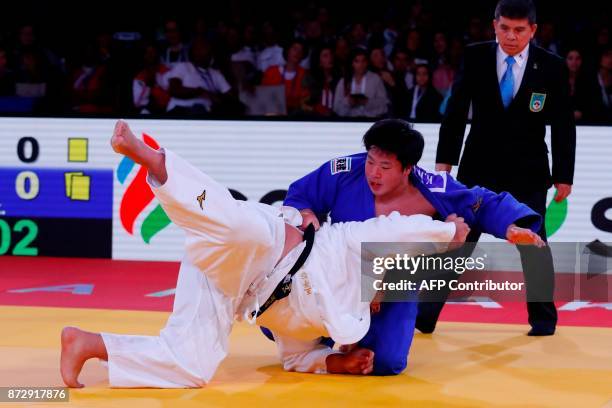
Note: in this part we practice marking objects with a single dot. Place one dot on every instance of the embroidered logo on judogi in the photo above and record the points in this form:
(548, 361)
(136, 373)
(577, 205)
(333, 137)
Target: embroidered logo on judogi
(477, 204)
(536, 104)
(341, 164)
(201, 199)
(306, 283)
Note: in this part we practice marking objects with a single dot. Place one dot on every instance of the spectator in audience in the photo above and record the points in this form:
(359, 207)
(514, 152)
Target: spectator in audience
(342, 53)
(200, 28)
(243, 62)
(149, 89)
(195, 87)
(424, 99)
(390, 35)
(475, 31)
(227, 42)
(272, 53)
(27, 41)
(104, 43)
(321, 82)
(174, 50)
(443, 73)
(604, 77)
(404, 80)
(440, 50)
(34, 80)
(7, 77)
(358, 36)
(414, 47)
(455, 53)
(380, 66)
(573, 60)
(378, 60)
(360, 93)
(403, 66)
(291, 75)
(415, 17)
(248, 51)
(602, 42)
(313, 41)
(296, 19)
(584, 89)
(327, 28)
(90, 84)
(546, 39)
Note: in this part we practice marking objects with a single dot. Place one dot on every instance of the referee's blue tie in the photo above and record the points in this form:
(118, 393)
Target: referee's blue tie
(506, 85)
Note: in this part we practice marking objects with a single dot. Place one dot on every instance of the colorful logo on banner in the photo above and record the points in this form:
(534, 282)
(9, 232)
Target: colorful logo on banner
(137, 197)
(556, 213)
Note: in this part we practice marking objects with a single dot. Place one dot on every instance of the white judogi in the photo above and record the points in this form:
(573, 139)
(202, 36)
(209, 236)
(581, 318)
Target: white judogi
(232, 266)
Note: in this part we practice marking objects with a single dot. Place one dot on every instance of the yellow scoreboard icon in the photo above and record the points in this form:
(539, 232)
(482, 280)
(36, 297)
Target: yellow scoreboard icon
(77, 150)
(77, 186)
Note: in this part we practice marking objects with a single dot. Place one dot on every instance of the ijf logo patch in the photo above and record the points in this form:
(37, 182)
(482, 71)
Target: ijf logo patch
(341, 164)
(536, 104)
(201, 199)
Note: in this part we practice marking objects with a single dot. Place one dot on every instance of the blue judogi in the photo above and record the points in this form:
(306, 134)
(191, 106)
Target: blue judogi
(339, 187)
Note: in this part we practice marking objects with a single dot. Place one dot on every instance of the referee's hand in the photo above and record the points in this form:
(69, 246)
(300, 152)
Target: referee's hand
(523, 236)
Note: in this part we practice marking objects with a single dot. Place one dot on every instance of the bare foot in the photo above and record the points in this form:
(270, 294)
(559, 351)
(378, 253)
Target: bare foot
(123, 140)
(77, 347)
(357, 361)
(360, 361)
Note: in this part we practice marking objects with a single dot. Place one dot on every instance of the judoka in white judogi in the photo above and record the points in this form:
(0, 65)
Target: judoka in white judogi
(232, 265)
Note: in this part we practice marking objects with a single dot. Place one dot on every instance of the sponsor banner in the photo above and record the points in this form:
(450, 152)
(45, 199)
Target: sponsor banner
(256, 160)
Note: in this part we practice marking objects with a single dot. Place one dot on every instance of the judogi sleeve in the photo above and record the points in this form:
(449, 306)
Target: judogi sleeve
(492, 212)
(303, 356)
(400, 228)
(316, 190)
(498, 211)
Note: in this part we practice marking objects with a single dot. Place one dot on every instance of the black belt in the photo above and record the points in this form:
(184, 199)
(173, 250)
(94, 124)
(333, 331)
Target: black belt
(284, 286)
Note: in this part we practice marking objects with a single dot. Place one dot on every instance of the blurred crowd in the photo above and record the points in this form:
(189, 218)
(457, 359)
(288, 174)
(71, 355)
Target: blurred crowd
(304, 60)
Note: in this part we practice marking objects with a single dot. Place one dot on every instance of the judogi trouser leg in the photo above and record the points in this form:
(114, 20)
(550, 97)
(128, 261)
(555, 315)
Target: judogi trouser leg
(188, 350)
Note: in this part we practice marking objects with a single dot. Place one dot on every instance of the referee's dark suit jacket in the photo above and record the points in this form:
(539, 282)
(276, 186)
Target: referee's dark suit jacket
(505, 148)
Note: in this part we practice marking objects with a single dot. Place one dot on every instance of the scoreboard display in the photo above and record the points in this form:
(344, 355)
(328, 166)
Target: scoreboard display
(56, 211)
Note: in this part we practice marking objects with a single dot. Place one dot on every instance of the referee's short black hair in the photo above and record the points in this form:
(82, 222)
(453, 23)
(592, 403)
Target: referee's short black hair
(396, 136)
(516, 10)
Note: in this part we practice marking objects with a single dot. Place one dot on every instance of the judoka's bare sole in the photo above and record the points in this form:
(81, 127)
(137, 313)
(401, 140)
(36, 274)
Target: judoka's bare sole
(125, 142)
(78, 346)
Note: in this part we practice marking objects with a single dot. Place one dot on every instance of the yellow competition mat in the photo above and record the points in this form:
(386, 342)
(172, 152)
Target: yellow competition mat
(461, 365)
